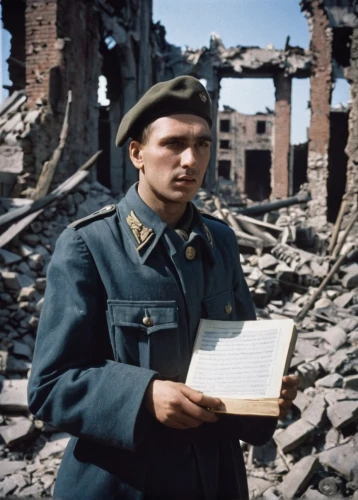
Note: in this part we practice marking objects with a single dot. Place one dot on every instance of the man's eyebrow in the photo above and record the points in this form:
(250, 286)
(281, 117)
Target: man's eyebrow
(203, 137)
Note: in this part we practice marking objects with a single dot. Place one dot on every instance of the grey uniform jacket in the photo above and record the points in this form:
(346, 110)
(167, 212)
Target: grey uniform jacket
(96, 352)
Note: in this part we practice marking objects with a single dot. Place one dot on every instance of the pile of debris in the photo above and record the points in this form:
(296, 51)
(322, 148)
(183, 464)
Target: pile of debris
(314, 453)
(30, 452)
(287, 267)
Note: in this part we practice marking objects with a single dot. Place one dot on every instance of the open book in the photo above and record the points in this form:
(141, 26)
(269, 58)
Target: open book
(242, 363)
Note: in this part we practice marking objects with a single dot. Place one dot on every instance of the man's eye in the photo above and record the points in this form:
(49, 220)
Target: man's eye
(204, 144)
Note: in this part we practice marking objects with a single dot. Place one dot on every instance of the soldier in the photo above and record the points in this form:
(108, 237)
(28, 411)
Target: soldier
(126, 289)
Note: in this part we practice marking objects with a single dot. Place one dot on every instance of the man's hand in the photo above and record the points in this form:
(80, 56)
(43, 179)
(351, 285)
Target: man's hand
(178, 406)
(288, 394)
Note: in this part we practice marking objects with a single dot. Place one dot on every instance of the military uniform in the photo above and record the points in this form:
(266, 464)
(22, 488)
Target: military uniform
(124, 298)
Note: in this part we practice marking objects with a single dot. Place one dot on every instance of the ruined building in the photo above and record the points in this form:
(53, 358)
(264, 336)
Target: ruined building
(61, 45)
(244, 151)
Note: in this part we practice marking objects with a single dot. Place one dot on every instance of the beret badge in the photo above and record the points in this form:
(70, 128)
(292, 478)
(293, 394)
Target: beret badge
(203, 97)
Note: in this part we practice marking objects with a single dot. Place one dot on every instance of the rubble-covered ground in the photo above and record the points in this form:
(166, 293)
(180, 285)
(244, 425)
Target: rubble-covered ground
(314, 452)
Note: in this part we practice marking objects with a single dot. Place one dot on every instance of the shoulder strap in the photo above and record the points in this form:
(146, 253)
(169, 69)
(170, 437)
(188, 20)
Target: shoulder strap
(99, 214)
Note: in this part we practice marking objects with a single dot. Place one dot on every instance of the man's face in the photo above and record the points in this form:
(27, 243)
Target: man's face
(173, 160)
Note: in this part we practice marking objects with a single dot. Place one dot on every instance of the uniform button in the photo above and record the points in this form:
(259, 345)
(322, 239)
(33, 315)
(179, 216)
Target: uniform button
(228, 308)
(147, 321)
(190, 253)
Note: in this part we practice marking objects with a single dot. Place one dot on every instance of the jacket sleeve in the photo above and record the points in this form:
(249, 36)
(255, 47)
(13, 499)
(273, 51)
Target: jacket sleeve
(74, 384)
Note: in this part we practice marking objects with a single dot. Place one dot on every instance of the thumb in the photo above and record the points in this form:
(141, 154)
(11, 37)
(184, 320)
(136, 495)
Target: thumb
(200, 398)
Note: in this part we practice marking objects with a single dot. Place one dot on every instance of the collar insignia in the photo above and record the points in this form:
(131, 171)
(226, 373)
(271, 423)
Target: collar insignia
(141, 233)
(183, 234)
(208, 234)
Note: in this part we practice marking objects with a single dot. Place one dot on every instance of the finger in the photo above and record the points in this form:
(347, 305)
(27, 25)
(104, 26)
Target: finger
(199, 413)
(285, 408)
(290, 381)
(199, 398)
(289, 393)
(285, 403)
(189, 422)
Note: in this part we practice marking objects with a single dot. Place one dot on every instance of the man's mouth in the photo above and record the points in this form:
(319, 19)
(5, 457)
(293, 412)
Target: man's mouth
(185, 179)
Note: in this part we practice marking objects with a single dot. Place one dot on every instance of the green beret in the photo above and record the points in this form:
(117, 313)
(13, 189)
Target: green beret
(182, 95)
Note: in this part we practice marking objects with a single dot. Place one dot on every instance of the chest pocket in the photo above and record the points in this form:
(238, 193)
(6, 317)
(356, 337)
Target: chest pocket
(220, 306)
(146, 334)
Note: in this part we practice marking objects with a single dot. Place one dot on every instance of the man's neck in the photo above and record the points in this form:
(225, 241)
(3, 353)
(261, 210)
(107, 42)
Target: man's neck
(170, 213)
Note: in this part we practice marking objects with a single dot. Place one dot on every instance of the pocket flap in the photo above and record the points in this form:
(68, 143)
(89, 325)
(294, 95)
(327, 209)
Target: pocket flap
(162, 314)
(219, 305)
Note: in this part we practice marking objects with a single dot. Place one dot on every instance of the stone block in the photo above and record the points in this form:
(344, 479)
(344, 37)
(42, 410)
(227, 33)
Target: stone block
(7, 258)
(332, 380)
(344, 299)
(9, 467)
(351, 382)
(40, 284)
(301, 401)
(336, 395)
(342, 459)
(308, 373)
(308, 350)
(315, 412)
(267, 261)
(350, 280)
(11, 280)
(332, 438)
(335, 336)
(26, 294)
(294, 435)
(19, 431)
(36, 261)
(257, 486)
(349, 324)
(298, 477)
(342, 413)
(13, 395)
(353, 337)
(21, 349)
(7, 486)
(270, 494)
(56, 444)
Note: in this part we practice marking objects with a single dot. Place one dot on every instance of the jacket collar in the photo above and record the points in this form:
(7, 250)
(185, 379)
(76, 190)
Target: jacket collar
(144, 227)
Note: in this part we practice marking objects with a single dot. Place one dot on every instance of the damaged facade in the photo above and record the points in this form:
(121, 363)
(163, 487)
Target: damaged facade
(51, 55)
(334, 30)
(244, 151)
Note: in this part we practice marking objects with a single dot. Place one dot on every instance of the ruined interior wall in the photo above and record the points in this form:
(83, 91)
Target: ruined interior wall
(79, 39)
(41, 35)
(41, 54)
(281, 137)
(130, 70)
(320, 96)
(62, 53)
(351, 194)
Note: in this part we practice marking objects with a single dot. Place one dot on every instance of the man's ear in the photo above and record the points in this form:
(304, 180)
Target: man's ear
(135, 153)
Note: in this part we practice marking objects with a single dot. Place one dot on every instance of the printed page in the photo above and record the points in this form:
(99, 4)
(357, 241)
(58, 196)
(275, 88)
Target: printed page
(240, 359)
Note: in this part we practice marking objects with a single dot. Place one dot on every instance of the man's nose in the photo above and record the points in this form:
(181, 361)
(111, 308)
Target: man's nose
(188, 158)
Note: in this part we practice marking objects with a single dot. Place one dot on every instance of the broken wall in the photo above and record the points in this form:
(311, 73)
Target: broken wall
(243, 133)
(66, 50)
(351, 194)
(62, 55)
(320, 102)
